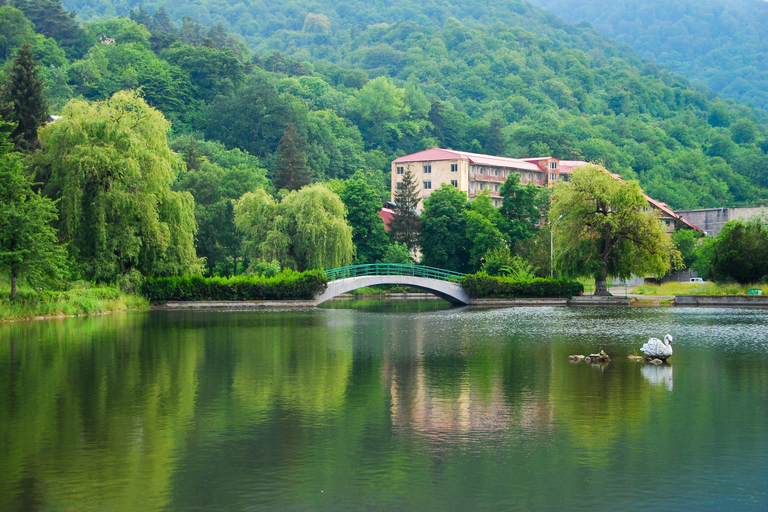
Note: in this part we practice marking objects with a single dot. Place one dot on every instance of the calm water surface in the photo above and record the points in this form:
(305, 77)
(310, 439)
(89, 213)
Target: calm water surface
(384, 407)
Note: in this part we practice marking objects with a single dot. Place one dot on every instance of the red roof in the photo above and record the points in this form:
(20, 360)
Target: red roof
(387, 215)
(437, 154)
(567, 166)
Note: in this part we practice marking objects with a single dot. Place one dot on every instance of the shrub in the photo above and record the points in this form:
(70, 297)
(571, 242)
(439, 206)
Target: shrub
(288, 285)
(481, 285)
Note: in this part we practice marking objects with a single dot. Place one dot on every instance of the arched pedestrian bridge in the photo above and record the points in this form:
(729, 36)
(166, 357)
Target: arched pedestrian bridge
(443, 283)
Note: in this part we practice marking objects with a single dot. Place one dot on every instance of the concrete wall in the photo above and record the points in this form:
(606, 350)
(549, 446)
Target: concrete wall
(711, 220)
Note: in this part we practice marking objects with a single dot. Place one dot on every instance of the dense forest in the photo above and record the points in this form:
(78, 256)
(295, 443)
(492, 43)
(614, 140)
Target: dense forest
(722, 44)
(232, 126)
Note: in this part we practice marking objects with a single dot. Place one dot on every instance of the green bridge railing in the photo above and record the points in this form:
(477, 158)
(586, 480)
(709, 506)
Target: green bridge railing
(393, 269)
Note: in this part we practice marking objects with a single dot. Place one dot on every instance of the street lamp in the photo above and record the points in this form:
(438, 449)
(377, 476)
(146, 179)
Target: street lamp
(552, 247)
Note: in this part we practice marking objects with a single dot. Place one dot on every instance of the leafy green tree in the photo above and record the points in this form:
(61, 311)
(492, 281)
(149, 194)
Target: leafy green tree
(15, 30)
(110, 166)
(444, 243)
(23, 96)
(483, 233)
(213, 71)
(495, 140)
(397, 253)
(741, 252)
(378, 106)
(216, 177)
(404, 226)
(306, 230)
(521, 208)
(291, 170)
(52, 20)
(603, 231)
(368, 233)
(28, 245)
(685, 241)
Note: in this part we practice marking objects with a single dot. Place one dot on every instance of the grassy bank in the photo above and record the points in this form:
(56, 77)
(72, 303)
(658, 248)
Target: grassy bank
(81, 299)
(697, 289)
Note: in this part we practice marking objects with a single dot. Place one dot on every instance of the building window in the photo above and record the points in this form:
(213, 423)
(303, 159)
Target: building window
(495, 172)
(552, 176)
(427, 185)
(427, 169)
(454, 167)
(553, 165)
(400, 170)
(455, 183)
(496, 187)
(528, 176)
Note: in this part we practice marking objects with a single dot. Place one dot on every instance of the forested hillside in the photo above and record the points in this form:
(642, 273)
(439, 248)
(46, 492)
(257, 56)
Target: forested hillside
(335, 98)
(720, 43)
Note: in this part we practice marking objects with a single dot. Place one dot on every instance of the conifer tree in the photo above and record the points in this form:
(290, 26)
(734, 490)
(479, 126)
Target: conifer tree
(23, 100)
(495, 141)
(292, 172)
(404, 226)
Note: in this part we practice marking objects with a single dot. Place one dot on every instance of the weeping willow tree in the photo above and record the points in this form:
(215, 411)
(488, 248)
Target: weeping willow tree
(603, 230)
(308, 229)
(109, 164)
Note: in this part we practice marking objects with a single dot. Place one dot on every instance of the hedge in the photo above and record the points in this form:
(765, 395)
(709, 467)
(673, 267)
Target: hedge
(288, 285)
(483, 286)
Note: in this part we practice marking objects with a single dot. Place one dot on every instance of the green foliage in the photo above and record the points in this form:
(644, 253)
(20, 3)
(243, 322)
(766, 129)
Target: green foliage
(482, 229)
(521, 208)
(717, 43)
(306, 230)
(443, 239)
(704, 252)
(685, 240)
(110, 166)
(15, 30)
(602, 231)
(368, 233)
(482, 286)
(22, 101)
(496, 259)
(28, 245)
(740, 252)
(288, 285)
(404, 226)
(397, 253)
(81, 299)
(291, 171)
(519, 269)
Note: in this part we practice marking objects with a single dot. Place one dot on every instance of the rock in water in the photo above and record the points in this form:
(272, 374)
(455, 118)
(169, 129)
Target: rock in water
(576, 358)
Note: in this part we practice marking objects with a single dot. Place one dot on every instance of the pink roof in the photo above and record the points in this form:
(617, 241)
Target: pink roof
(567, 166)
(437, 154)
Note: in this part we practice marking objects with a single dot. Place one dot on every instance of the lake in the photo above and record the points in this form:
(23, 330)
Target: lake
(376, 406)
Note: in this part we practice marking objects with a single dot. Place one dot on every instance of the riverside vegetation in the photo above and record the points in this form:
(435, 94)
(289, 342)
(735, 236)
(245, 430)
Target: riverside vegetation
(181, 151)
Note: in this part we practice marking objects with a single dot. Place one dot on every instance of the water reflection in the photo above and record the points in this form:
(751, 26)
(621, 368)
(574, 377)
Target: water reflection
(380, 408)
(657, 375)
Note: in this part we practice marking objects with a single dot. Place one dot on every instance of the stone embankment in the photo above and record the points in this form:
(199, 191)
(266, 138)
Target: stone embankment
(722, 301)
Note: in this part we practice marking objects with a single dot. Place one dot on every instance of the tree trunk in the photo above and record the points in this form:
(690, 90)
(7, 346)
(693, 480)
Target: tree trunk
(13, 287)
(601, 286)
(234, 269)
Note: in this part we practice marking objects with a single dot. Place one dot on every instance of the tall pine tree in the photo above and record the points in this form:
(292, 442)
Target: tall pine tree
(404, 226)
(292, 171)
(23, 100)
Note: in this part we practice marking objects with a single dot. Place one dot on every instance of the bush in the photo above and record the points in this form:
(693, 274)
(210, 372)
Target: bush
(288, 285)
(482, 285)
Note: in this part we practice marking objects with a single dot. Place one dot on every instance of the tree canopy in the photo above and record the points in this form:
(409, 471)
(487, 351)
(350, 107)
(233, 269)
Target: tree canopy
(109, 165)
(601, 230)
(306, 230)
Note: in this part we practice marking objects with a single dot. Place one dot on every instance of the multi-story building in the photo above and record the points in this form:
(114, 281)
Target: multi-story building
(471, 172)
(475, 173)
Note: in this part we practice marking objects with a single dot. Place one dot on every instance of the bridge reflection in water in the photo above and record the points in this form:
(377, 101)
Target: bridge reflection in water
(443, 283)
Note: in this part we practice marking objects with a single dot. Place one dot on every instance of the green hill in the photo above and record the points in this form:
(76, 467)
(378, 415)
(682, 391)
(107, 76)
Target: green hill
(719, 43)
(366, 82)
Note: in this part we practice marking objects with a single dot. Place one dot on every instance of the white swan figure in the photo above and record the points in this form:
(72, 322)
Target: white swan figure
(656, 349)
